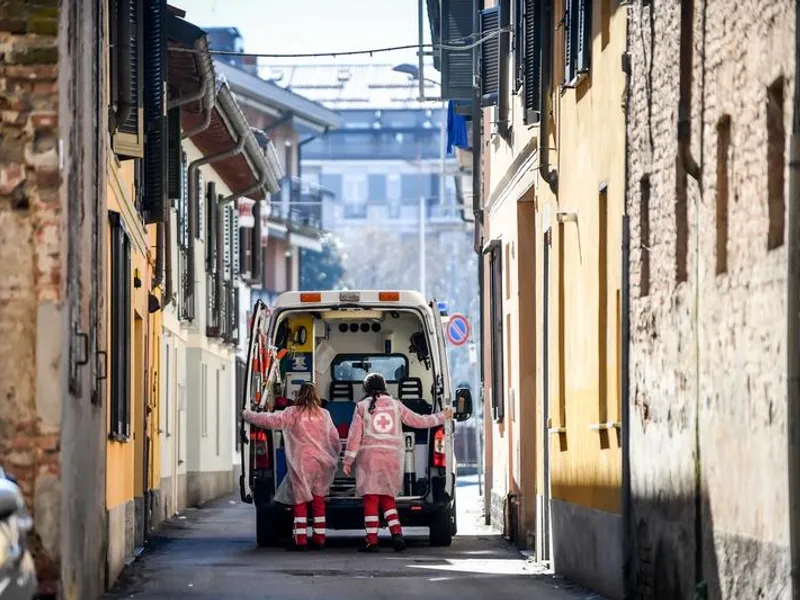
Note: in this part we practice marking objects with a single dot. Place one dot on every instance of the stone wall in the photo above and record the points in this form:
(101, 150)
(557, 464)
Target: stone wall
(708, 316)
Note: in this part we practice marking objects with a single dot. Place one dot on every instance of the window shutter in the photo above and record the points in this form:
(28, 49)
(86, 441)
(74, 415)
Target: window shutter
(128, 140)
(183, 216)
(519, 43)
(583, 36)
(490, 56)
(211, 228)
(234, 215)
(569, 63)
(532, 61)
(174, 153)
(255, 239)
(226, 237)
(457, 29)
(154, 201)
(200, 207)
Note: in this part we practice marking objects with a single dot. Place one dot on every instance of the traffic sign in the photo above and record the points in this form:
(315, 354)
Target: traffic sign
(458, 330)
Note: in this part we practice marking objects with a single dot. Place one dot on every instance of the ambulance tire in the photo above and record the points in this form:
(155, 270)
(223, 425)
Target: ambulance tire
(441, 532)
(266, 530)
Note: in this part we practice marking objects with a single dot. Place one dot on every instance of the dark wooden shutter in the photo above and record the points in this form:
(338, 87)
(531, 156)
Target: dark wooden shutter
(532, 60)
(490, 56)
(128, 140)
(569, 46)
(255, 269)
(519, 43)
(457, 29)
(211, 227)
(174, 154)
(583, 36)
(154, 201)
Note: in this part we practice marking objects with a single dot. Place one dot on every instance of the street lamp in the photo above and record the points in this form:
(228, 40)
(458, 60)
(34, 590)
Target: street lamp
(414, 72)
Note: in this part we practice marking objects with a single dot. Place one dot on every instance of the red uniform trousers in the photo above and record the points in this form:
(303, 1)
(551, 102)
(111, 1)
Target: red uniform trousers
(372, 504)
(301, 522)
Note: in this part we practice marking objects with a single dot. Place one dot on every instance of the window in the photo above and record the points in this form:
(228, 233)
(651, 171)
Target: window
(355, 367)
(126, 28)
(203, 399)
(457, 23)
(410, 189)
(723, 150)
(602, 306)
(120, 307)
(355, 189)
(333, 183)
(577, 39)
(644, 235)
(211, 227)
(776, 163)
(393, 191)
(355, 211)
(496, 312)
(519, 44)
(376, 185)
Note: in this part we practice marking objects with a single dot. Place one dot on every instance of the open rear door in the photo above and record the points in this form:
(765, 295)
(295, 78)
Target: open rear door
(254, 381)
(447, 400)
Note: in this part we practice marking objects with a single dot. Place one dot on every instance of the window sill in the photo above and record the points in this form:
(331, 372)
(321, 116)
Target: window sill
(575, 82)
(556, 430)
(118, 437)
(608, 426)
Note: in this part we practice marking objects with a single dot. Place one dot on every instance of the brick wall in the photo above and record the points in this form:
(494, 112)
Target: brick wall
(708, 385)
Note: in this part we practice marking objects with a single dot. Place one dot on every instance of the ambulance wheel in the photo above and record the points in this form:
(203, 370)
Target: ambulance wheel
(266, 530)
(441, 532)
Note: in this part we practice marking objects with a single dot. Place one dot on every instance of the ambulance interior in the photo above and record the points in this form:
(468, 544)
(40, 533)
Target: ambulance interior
(336, 349)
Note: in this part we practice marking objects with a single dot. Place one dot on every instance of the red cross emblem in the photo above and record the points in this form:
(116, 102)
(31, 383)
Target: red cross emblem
(383, 423)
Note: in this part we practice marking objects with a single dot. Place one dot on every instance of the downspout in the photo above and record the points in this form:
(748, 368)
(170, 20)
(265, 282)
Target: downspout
(550, 177)
(209, 90)
(793, 324)
(300, 145)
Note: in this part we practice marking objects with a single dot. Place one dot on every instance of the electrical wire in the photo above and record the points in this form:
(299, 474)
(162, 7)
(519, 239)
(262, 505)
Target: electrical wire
(444, 46)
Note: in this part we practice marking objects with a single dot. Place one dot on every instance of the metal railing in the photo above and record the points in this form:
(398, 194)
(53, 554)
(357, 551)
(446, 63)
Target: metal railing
(185, 287)
(213, 315)
(299, 202)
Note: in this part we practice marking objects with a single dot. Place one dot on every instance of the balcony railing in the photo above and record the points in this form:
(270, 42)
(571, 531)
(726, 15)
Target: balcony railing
(229, 316)
(185, 287)
(299, 203)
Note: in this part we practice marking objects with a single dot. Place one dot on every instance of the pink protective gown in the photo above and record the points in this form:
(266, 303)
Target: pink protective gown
(377, 445)
(312, 451)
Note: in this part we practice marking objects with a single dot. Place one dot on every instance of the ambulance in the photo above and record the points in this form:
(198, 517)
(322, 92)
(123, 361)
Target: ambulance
(334, 339)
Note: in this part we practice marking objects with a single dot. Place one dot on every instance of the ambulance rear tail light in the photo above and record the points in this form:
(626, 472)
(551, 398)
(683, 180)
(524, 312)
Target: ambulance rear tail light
(389, 296)
(439, 458)
(310, 297)
(261, 447)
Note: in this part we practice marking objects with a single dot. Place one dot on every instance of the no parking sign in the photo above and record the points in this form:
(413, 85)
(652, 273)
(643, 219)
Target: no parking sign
(458, 330)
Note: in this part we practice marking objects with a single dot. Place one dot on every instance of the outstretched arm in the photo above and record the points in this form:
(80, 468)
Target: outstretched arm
(417, 421)
(269, 420)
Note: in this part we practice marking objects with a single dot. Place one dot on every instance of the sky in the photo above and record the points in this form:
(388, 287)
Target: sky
(323, 26)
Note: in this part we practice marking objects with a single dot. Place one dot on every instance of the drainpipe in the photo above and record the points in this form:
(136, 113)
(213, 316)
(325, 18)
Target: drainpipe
(550, 177)
(209, 91)
(206, 69)
(300, 145)
(793, 324)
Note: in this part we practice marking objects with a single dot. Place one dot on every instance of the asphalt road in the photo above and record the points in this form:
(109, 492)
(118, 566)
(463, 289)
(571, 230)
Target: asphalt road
(211, 553)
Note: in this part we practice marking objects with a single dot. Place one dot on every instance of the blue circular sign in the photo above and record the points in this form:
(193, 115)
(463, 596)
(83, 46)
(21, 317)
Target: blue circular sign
(458, 330)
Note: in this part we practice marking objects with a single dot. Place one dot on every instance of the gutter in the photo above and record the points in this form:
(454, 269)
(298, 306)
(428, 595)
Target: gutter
(793, 324)
(266, 164)
(550, 177)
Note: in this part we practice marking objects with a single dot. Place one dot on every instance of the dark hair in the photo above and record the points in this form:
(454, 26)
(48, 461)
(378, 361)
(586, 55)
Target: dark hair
(375, 386)
(307, 397)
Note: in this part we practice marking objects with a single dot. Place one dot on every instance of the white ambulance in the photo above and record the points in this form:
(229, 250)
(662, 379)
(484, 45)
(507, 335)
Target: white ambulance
(334, 339)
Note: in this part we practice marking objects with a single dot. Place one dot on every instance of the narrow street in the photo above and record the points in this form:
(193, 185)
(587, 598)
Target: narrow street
(211, 553)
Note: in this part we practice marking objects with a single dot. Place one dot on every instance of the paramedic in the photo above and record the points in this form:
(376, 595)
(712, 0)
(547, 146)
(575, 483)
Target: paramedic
(312, 458)
(376, 445)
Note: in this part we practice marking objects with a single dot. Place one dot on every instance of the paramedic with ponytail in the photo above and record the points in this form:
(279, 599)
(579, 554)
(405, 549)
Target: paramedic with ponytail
(376, 445)
(312, 457)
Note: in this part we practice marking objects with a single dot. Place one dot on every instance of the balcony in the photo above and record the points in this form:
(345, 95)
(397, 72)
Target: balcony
(213, 313)
(229, 313)
(299, 203)
(185, 287)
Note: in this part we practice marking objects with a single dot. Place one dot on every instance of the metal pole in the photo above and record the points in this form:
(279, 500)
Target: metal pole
(420, 55)
(476, 382)
(442, 151)
(422, 281)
